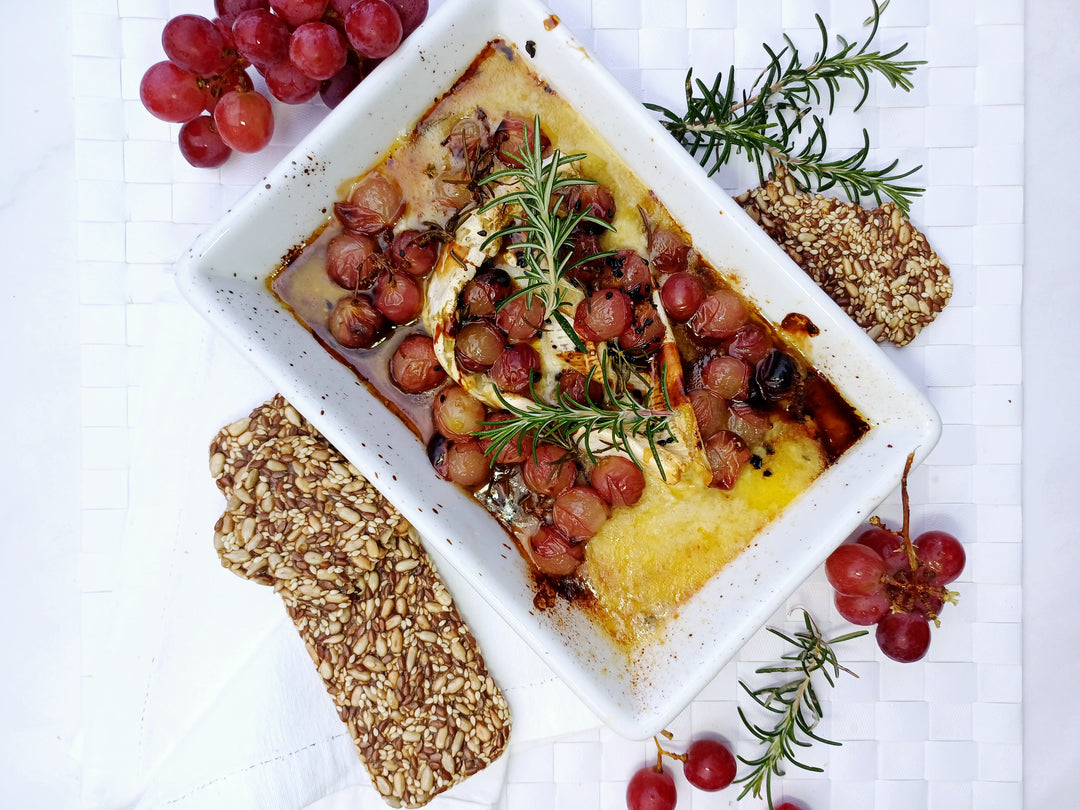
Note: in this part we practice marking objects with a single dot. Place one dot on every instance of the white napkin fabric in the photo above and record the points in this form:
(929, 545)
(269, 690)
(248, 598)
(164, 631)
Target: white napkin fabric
(209, 699)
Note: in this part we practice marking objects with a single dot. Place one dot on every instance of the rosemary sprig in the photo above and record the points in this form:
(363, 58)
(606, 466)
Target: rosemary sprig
(797, 704)
(546, 227)
(619, 414)
(764, 124)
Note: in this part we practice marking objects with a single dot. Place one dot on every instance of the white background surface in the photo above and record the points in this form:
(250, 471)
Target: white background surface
(76, 312)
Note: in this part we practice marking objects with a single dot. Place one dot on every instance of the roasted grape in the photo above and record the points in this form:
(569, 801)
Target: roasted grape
(618, 480)
(414, 366)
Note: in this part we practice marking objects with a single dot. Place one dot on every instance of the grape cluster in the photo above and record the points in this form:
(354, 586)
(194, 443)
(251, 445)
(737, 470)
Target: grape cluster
(885, 579)
(301, 48)
(708, 765)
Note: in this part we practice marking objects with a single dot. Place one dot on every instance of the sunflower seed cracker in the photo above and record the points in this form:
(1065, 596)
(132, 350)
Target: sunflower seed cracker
(403, 670)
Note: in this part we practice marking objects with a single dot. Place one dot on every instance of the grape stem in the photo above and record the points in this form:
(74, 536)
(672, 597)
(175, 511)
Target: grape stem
(662, 752)
(905, 531)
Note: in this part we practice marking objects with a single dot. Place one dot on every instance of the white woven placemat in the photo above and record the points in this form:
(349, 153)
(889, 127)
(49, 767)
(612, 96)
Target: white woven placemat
(942, 733)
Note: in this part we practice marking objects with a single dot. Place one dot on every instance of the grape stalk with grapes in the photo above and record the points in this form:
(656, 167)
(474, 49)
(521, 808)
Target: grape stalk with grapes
(300, 48)
(887, 580)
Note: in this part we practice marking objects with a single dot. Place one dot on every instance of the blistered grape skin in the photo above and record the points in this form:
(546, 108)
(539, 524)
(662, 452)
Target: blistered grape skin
(414, 366)
(549, 470)
(618, 480)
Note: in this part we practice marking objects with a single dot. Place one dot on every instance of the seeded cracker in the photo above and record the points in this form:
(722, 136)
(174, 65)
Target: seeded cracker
(400, 665)
(872, 262)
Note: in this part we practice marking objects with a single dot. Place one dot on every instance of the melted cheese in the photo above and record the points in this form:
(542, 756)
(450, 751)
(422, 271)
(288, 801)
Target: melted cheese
(650, 558)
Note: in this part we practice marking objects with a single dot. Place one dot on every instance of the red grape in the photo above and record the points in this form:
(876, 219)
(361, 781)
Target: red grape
(261, 37)
(710, 411)
(289, 84)
(318, 50)
(580, 512)
(646, 332)
(576, 387)
(509, 141)
(346, 260)
(374, 205)
(412, 13)
(229, 10)
(466, 464)
(709, 765)
(334, 89)
(415, 252)
(726, 453)
(201, 145)
(721, 313)
(603, 315)
(650, 789)
(414, 366)
(904, 637)
(521, 320)
(890, 546)
(681, 295)
(627, 271)
(478, 345)
(245, 121)
(515, 368)
(552, 552)
(457, 414)
(942, 554)
(373, 28)
(855, 569)
(618, 480)
(398, 296)
(549, 469)
(483, 292)
(193, 43)
(171, 93)
(726, 376)
(298, 12)
(516, 450)
(595, 200)
(787, 806)
(750, 343)
(668, 252)
(355, 323)
(863, 609)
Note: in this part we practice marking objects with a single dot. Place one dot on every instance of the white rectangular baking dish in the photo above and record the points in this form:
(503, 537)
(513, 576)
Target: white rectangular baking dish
(224, 276)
